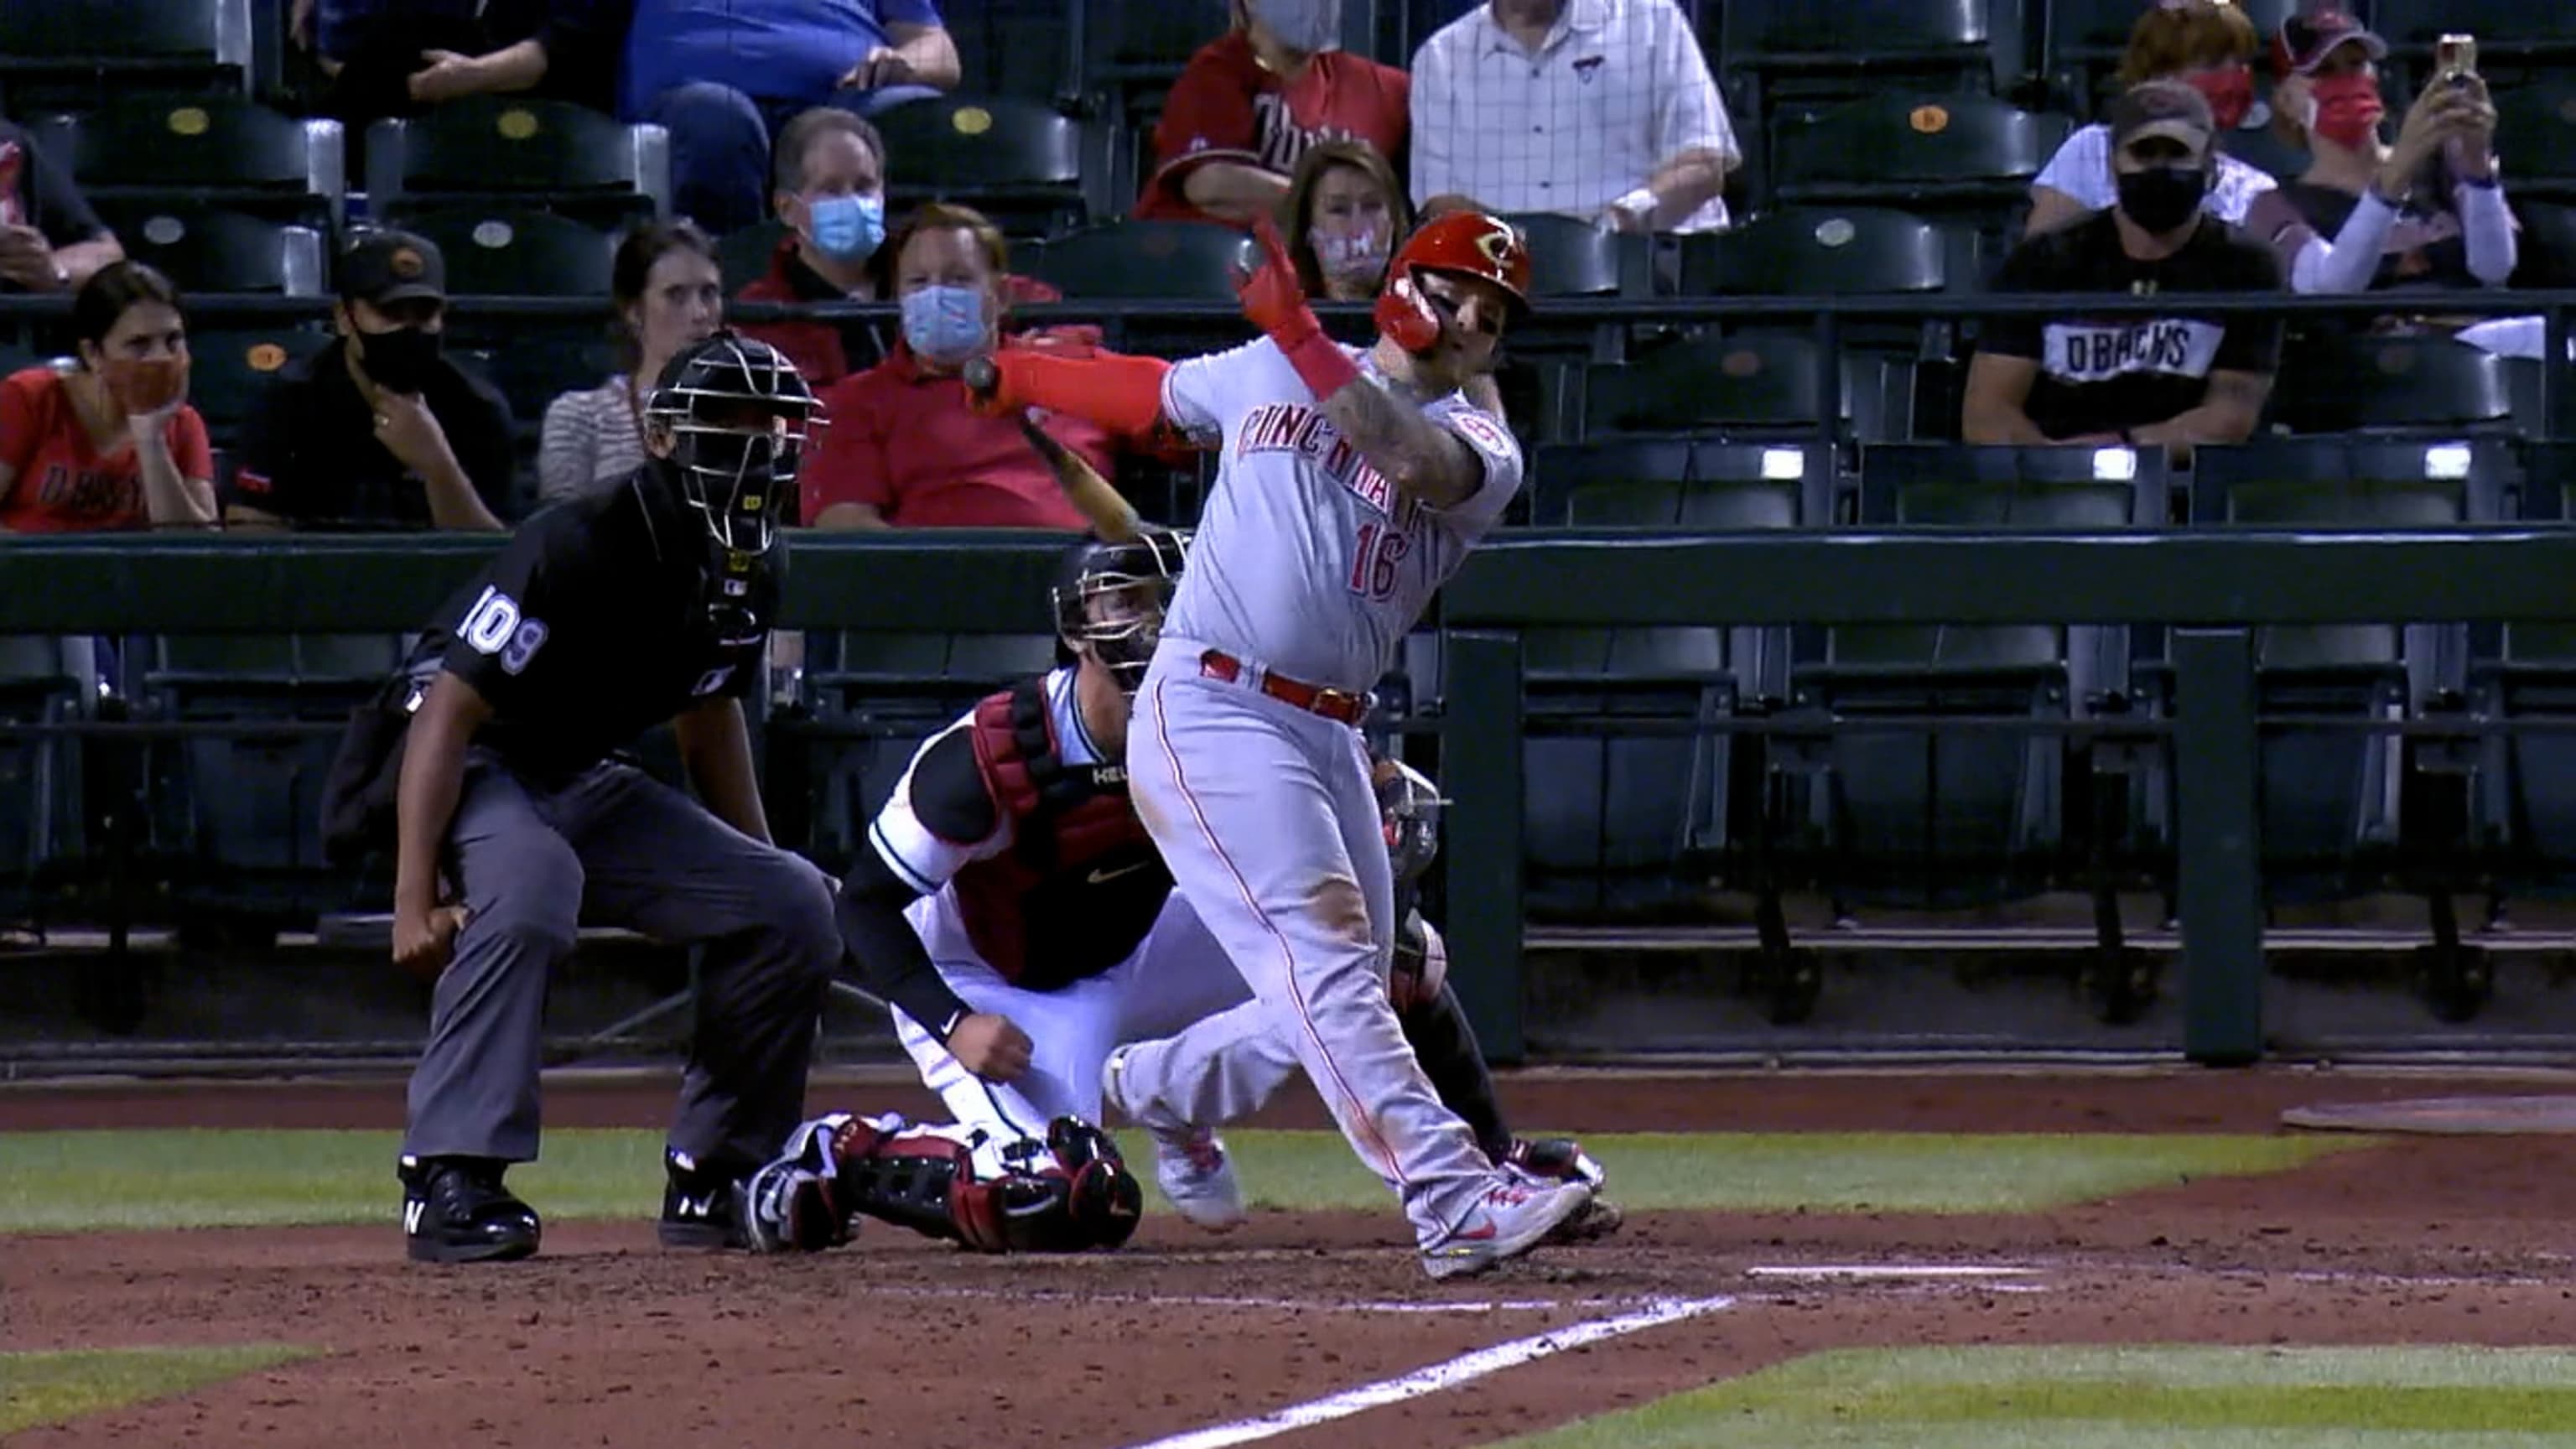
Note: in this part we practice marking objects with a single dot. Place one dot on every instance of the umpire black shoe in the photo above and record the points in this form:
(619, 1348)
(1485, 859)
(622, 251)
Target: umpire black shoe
(698, 1203)
(456, 1211)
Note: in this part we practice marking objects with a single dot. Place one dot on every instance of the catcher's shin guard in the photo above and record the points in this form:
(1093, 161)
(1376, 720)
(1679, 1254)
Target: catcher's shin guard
(1067, 1194)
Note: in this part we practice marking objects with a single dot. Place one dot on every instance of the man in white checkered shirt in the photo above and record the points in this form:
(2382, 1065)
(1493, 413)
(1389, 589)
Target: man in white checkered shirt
(1599, 109)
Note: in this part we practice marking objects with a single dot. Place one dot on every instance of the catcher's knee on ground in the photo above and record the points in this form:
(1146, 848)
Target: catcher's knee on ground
(1066, 1194)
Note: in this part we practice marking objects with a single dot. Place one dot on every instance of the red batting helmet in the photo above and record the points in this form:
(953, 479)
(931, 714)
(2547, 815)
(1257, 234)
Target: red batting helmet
(1472, 244)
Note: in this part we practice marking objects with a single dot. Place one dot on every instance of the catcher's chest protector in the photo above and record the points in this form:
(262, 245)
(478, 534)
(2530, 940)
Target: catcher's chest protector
(1081, 878)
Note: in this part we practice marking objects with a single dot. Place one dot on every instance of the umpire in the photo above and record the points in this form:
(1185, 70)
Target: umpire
(516, 821)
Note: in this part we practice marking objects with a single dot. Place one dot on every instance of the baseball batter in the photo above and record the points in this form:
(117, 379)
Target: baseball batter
(1350, 486)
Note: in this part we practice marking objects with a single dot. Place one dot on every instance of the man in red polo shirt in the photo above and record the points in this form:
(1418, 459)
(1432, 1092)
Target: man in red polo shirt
(901, 448)
(1253, 100)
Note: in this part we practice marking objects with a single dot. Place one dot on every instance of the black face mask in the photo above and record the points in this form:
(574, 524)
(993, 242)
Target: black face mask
(2162, 198)
(402, 360)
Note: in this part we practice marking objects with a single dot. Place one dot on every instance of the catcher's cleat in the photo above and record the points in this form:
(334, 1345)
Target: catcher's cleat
(456, 1211)
(698, 1204)
(1562, 1159)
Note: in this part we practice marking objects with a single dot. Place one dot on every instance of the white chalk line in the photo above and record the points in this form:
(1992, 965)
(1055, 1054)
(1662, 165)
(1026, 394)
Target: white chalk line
(1444, 1375)
(1891, 1272)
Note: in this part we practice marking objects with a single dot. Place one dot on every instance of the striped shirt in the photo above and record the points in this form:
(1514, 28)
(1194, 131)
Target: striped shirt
(590, 442)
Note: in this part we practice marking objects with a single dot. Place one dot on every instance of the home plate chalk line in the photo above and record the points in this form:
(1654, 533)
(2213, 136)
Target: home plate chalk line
(1465, 1368)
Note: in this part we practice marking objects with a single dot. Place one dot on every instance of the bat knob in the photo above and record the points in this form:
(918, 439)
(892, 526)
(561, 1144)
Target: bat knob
(982, 376)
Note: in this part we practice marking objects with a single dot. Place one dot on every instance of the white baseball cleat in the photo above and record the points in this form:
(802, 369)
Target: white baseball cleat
(1511, 1218)
(1190, 1163)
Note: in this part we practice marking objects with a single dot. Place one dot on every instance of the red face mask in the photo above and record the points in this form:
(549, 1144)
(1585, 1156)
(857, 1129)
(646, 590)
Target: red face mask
(2230, 94)
(145, 385)
(2348, 109)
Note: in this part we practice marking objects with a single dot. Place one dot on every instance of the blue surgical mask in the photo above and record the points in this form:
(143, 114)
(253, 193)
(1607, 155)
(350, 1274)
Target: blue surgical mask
(847, 228)
(944, 324)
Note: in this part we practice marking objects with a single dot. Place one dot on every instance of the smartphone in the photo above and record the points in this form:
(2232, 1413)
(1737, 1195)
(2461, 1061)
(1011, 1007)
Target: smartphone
(2456, 57)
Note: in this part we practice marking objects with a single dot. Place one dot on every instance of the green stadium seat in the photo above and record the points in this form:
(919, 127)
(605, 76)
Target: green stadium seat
(1123, 261)
(1020, 162)
(509, 252)
(207, 249)
(1570, 257)
(1797, 251)
(2397, 385)
(230, 366)
(1964, 156)
(204, 150)
(520, 151)
(88, 54)
(1785, 57)
(1745, 387)
(1681, 483)
(40, 811)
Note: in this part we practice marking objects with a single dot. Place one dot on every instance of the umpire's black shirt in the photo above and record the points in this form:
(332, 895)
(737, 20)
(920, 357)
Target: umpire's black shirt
(592, 627)
(309, 452)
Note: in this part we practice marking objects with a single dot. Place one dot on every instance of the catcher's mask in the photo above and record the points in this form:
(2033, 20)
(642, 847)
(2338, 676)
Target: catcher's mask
(1110, 597)
(1409, 808)
(737, 413)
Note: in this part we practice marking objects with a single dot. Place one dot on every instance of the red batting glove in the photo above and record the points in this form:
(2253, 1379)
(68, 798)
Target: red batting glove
(1277, 305)
(1405, 316)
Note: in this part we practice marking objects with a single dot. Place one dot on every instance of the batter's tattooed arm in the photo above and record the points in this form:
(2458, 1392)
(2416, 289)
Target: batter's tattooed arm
(1424, 460)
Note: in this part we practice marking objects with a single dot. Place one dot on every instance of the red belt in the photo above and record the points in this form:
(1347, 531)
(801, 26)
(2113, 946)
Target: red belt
(1333, 704)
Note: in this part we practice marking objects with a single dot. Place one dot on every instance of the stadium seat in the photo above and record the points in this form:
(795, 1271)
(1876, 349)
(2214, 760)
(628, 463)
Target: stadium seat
(88, 54)
(229, 366)
(40, 778)
(1131, 54)
(1570, 257)
(502, 252)
(1681, 483)
(524, 152)
(2536, 126)
(1783, 57)
(204, 150)
(744, 255)
(1935, 155)
(1019, 162)
(206, 249)
(1795, 251)
(1140, 261)
(240, 807)
(2332, 812)
(2515, 38)
(2411, 385)
(1748, 387)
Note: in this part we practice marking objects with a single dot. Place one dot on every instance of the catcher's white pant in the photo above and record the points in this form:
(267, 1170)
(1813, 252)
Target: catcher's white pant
(1267, 818)
(1175, 976)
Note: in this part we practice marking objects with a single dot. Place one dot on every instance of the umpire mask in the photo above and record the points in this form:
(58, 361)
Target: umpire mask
(738, 414)
(1110, 598)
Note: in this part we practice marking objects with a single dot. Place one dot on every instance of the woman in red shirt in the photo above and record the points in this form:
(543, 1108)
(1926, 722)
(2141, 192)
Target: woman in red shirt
(114, 443)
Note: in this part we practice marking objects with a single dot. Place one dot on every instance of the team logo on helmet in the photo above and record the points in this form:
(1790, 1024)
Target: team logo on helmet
(1499, 244)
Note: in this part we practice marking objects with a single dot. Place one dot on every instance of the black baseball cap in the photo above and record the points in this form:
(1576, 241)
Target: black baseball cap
(2163, 108)
(2305, 40)
(384, 266)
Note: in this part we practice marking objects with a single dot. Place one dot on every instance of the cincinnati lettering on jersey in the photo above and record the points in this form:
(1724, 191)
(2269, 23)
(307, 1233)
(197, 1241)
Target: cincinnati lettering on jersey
(2098, 351)
(1307, 433)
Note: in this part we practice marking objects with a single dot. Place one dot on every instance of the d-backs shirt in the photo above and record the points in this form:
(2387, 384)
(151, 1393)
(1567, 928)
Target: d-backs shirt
(61, 481)
(2101, 374)
(1226, 107)
(592, 627)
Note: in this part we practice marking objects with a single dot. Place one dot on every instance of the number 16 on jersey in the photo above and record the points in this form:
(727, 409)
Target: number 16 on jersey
(1375, 557)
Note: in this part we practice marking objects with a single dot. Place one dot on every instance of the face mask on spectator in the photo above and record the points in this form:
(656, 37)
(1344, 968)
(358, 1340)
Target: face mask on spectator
(2346, 109)
(2162, 198)
(944, 324)
(847, 228)
(144, 385)
(401, 360)
(1360, 254)
(2230, 94)
(1305, 26)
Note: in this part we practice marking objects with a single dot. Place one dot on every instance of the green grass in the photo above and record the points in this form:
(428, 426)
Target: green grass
(2114, 1398)
(69, 1181)
(47, 1388)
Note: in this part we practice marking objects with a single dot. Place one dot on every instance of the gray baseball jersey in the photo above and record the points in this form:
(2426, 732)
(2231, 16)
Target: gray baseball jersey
(1306, 561)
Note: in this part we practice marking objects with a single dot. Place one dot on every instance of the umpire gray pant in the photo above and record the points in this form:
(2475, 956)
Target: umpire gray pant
(616, 847)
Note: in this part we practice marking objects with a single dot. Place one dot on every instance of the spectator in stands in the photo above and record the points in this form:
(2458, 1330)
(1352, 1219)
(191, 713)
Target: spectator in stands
(395, 57)
(380, 428)
(829, 191)
(113, 444)
(1599, 109)
(2208, 45)
(50, 241)
(2132, 380)
(1252, 101)
(669, 293)
(901, 448)
(724, 78)
(2427, 211)
(1344, 214)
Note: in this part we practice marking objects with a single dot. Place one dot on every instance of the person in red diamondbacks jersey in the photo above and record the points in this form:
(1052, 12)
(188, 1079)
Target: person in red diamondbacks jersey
(1252, 101)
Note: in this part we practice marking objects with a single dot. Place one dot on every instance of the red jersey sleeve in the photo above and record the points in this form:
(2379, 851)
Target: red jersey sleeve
(22, 417)
(190, 448)
(850, 465)
(1207, 116)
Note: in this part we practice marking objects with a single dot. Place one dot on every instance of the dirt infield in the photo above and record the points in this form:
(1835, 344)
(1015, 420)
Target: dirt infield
(605, 1340)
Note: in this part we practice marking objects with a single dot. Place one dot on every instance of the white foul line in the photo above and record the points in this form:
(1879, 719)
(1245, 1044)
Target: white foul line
(1922, 1271)
(1281, 1305)
(1438, 1376)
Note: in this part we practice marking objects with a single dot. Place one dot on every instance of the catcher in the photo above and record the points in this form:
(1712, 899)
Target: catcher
(1013, 911)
